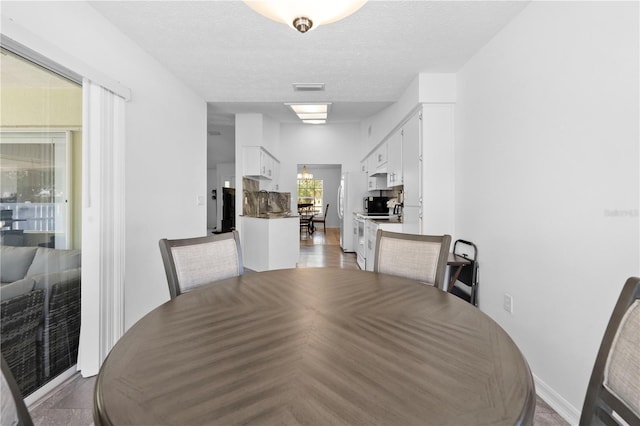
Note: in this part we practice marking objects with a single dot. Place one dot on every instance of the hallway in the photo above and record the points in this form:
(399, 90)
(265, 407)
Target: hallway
(323, 250)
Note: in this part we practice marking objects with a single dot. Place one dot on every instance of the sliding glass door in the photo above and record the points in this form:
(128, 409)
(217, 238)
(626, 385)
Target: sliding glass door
(40, 223)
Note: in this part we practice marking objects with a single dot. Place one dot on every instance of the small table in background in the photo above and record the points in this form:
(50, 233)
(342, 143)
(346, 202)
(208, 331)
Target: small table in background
(457, 263)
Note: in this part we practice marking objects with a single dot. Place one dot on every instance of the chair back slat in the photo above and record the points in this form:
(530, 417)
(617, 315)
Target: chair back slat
(614, 388)
(622, 371)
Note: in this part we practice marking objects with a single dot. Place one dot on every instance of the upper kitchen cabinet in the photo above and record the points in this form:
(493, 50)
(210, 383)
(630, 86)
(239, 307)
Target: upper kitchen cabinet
(375, 180)
(376, 165)
(380, 157)
(394, 159)
(258, 163)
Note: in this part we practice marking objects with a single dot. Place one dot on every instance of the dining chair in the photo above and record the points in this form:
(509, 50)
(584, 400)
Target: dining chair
(614, 389)
(13, 411)
(419, 257)
(192, 262)
(322, 219)
(306, 221)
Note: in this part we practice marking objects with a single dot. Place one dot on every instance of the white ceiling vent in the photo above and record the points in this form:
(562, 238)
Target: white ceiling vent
(308, 87)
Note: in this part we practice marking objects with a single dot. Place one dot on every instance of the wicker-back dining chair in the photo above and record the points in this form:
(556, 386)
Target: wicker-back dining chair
(419, 257)
(322, 219)
(192, 262)
(614, 388)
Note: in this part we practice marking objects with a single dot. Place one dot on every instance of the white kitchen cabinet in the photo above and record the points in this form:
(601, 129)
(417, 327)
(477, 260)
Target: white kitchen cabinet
(377, 182)
(437, 194)
(411, 166)
(381, 156)
(371, 231)
(274, 183)
(375, 179)
(394, 159)
(258, 162)
(371, 164)
(270, 243)
(371, 228)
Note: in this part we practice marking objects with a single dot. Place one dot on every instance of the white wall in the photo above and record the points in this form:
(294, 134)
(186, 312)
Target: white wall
(317, 144)
(547, 181)
(165, 139)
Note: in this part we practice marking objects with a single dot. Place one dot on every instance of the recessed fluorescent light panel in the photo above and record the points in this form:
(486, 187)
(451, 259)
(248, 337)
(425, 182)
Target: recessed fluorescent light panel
(311, 113)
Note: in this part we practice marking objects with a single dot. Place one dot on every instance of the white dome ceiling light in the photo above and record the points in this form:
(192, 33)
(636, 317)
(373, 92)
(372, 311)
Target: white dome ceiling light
(305, 15)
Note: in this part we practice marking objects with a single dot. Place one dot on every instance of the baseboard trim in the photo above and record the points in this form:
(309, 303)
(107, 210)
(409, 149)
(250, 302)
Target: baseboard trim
(44, 391)
(556, 401)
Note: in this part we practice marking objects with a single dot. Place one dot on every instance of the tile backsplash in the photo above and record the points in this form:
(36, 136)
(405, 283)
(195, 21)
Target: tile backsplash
(260, 203)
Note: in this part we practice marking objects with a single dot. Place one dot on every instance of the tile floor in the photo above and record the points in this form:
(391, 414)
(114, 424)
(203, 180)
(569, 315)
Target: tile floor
(72, 402)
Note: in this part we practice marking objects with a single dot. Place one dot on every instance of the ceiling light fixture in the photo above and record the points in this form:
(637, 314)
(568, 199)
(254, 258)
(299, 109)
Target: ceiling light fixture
(311, 113)
(304, 175)
(305, 15)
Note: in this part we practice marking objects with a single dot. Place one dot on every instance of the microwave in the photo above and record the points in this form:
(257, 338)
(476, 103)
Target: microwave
(376, 205)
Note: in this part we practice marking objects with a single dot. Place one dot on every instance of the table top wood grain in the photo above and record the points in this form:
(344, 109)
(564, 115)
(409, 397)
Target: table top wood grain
(315, 346)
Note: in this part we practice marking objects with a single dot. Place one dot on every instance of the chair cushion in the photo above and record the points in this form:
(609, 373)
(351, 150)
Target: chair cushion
(48, 260)
(15, 262)
(417, 260)
(623, 365)
(16, 288)
(46, 281)
(204, 263)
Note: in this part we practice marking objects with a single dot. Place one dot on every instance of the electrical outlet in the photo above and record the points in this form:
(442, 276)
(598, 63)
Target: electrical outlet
(508, 303)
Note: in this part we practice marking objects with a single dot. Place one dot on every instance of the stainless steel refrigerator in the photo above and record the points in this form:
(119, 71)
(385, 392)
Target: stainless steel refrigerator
(351, 192)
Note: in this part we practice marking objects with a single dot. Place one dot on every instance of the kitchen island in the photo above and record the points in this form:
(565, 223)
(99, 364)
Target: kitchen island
(270, 241)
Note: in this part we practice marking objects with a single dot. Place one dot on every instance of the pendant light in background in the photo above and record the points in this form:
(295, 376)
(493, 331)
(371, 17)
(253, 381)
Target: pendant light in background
(305, 175)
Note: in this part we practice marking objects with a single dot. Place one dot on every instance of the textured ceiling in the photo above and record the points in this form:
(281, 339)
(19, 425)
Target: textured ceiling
(228, 53)
(240, 61)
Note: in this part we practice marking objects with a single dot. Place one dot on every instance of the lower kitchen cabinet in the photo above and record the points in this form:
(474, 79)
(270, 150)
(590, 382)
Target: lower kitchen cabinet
(270, 243)
(371, 230)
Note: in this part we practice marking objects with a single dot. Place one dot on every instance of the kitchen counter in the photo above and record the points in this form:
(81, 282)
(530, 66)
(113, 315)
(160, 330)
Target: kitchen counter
(273, 216)
(383, 221)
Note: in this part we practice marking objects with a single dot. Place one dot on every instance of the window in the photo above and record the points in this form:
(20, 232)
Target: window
(34, 183)
(310, 192)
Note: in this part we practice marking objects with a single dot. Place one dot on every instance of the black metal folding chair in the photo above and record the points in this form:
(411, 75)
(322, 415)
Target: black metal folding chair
(466, 286)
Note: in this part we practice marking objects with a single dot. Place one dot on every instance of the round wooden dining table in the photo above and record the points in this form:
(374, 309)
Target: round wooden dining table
(315, 346)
